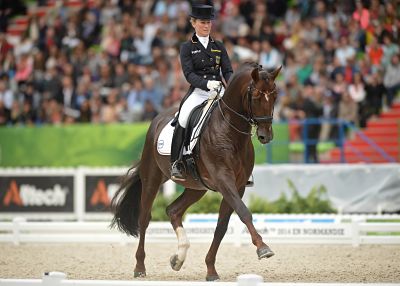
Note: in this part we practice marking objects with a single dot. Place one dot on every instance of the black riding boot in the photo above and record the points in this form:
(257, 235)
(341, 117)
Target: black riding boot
(176, 154)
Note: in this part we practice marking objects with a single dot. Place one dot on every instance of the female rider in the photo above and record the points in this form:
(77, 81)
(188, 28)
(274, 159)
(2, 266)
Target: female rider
(203, 59)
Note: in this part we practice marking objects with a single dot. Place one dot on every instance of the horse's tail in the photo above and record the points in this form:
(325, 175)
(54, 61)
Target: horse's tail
(125, 205)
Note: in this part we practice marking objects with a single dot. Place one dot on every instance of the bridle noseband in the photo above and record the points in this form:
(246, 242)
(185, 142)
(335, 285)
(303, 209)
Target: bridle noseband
(250, 119)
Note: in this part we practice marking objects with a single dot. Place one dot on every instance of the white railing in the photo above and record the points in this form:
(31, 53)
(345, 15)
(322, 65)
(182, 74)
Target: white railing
(354, 232)
(59, 279)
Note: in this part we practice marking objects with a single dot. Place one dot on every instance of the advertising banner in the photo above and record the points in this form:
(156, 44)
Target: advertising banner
(99, 190)
(30, 194)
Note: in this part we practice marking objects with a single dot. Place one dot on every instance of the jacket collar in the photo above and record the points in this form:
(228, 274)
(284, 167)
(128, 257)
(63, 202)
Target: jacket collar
(195, 40)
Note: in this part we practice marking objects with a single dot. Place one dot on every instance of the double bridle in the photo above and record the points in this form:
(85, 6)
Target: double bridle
(250, 119)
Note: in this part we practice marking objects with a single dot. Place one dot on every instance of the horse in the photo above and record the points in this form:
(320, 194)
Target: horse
(225, 163)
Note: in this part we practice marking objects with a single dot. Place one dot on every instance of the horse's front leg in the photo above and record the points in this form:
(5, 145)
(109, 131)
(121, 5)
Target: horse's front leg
(175, 212)
(229, 191)
(225, 212)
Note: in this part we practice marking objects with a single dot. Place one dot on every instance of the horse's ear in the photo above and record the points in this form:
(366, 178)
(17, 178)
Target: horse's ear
(275, 73)
(255, 75)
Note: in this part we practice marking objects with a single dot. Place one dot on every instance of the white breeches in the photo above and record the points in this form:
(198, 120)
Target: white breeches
(197, 97)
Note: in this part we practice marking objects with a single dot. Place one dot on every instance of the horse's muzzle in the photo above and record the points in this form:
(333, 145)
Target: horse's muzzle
(265, 137)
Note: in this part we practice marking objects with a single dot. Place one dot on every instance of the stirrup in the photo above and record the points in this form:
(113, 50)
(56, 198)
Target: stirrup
(176, 172)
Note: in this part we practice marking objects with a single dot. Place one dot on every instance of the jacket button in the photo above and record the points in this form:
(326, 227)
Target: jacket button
(211, 59)
(202, 61)
(213, 76)
(205, 76)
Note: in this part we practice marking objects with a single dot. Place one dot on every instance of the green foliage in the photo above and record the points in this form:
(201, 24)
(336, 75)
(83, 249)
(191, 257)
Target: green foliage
(315, 202)
(159, 206)
(208, 204)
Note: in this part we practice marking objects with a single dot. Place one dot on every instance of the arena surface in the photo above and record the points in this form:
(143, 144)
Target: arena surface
(292, 263)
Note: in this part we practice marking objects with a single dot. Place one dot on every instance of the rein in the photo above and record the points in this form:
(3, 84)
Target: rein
(250, 119)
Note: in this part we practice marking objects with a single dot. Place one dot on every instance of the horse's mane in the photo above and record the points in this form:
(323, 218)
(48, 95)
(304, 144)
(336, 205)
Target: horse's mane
(244, 68)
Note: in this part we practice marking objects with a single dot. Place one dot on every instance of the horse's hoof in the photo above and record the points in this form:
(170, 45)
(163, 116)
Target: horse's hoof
(176, 264)
(212, 278)
(265, 252)
(139, 274)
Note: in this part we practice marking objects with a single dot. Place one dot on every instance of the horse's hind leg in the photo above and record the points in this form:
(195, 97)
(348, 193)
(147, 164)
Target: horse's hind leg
(152, 178)
(175, 212)
(225, 212)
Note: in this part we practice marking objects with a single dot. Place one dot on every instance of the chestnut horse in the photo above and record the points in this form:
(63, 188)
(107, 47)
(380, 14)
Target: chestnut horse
(225, 163)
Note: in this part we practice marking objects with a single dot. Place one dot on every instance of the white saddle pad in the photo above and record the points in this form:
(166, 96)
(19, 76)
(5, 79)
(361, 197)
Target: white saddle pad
(165, 139)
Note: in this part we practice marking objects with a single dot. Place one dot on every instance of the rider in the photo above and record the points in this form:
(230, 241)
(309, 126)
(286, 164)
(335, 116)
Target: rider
(203, 59)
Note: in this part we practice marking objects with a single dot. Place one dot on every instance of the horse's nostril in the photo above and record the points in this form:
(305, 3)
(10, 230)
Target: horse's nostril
(261, 137)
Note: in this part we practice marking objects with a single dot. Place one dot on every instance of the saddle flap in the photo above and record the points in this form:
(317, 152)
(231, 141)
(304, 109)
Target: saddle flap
(197, 120)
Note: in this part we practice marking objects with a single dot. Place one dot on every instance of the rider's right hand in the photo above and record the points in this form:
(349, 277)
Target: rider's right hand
(213, 85)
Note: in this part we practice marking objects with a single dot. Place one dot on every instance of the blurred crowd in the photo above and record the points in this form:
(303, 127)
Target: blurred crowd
(112, 61)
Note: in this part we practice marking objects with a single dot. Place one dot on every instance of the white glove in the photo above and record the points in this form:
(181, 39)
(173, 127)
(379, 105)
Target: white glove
(213, 85)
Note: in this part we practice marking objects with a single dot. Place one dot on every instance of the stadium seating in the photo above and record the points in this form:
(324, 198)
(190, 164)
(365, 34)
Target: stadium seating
(382, 134)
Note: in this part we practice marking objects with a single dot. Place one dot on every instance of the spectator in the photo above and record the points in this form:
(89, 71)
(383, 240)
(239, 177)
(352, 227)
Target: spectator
(149, 111)
(29, 94)
(348, 109)
(345, 51)
(85, 114)
(375, 53)
(135, 100)
(375, 91)
(234, 24)
(358, 94)
(389, 49)
(121, 76)
(27, 116)
(6, 94)
(24, 68)
(329, 113)
(107, 44)
(4, 114)
(312, 108)
(391, 79)
(269, 56)
(111, 42)
(109, 110)
(151, 93)
(361, 15)
(67, 97)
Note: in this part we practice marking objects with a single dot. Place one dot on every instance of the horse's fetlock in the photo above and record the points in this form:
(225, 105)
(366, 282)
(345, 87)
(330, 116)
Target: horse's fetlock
(210, 260)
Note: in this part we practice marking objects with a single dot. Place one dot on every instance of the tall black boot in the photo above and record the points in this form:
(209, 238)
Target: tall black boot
(176, 154)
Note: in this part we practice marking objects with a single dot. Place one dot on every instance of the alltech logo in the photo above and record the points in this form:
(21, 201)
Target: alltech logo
(99, 192)
(36, 194)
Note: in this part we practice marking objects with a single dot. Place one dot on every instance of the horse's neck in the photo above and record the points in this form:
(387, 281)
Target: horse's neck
(234, 97)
